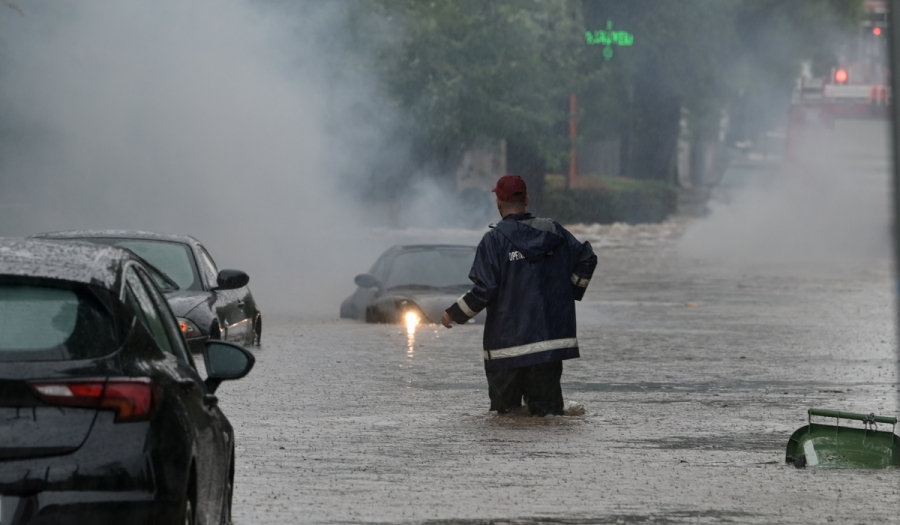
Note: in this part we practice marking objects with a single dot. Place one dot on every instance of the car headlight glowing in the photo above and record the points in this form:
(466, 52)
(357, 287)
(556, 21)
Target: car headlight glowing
(411, 319)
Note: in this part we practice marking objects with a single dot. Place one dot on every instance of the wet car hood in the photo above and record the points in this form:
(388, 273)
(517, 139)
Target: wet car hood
(432, 303)
(183, 301)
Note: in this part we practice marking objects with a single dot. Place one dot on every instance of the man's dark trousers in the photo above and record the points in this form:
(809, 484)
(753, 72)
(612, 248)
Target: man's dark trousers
(538, 384)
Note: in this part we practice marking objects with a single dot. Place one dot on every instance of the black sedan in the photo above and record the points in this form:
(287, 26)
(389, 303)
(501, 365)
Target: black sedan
(419, 281)
(209, 304)
(105, 418)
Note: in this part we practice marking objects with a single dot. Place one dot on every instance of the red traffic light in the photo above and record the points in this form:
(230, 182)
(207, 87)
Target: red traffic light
(876, 31)
(841, 76)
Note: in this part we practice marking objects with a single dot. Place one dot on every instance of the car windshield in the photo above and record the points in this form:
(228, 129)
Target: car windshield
(172, 258)
(437, 268)
(44, 323)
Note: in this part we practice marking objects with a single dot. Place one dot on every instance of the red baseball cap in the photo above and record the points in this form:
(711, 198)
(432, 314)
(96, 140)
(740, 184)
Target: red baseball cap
(509, 185)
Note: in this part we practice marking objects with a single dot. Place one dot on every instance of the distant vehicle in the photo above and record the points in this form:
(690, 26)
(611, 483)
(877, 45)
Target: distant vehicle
(103, 415)
(209, 304)
(858, 86)
(419, 280)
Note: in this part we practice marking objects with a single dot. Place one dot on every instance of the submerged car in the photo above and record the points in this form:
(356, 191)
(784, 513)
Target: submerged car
(420, 280)
(105, 418)
(209, 304)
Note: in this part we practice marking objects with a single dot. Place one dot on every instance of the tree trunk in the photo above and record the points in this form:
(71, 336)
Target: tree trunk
(655, 138)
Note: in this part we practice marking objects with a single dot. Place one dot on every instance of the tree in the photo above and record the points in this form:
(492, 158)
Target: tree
(467, 71)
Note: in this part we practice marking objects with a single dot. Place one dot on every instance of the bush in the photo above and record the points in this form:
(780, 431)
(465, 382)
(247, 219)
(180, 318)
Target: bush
(608, 200)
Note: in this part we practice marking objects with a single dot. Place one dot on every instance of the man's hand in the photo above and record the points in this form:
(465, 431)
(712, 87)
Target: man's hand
(446, 321)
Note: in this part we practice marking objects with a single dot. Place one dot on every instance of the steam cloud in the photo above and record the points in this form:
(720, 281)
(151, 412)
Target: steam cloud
(241, 123)
(826, 209)
(251, 126)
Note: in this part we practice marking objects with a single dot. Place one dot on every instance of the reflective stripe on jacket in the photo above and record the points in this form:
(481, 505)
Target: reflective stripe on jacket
(528, 273)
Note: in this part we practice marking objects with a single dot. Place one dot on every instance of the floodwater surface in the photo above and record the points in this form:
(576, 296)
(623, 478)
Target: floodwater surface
(692, 379)
(703, 345)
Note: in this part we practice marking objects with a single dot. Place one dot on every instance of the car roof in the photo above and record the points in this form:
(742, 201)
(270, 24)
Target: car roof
(118, 234)
(398, 249)
(83, 263)
(421, 247)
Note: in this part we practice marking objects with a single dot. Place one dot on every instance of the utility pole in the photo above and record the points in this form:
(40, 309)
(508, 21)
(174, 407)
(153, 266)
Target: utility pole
(573, 136)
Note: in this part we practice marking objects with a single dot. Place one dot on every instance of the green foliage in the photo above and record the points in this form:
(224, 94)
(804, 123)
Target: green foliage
(467, 70)
(608, 200)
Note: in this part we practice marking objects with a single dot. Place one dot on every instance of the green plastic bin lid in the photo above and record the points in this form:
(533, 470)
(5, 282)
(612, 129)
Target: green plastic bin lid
(834, 446)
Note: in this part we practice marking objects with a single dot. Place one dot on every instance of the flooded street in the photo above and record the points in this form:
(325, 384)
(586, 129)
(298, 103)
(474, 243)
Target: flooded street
(703, 344)
(693, 377)
(730, 163)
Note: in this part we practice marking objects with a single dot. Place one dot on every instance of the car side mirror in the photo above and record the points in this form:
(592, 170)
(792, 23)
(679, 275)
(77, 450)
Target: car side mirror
(231, 279)
(225, 361)
(366, 280)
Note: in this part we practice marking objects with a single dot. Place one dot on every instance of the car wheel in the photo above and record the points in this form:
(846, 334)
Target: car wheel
(188, 506)
(214, 332)
(188, 512)
(372, 316)
(257, 332)
(229, 493)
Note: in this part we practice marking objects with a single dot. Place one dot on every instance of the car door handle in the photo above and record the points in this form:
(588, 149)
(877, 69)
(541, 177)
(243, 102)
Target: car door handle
(240, 304)
(210, 400)
(187, 384)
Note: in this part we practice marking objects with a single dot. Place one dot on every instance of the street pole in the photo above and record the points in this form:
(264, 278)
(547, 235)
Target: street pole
(573, 135)
(894, 54)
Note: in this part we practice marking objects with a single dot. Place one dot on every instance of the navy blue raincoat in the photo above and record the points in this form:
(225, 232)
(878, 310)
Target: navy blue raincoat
(528, 273)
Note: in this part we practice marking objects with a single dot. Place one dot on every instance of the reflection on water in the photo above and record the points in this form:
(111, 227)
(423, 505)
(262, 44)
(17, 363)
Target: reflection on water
(412, 320)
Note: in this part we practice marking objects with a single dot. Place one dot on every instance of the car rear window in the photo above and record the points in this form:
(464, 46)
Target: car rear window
(45, 323)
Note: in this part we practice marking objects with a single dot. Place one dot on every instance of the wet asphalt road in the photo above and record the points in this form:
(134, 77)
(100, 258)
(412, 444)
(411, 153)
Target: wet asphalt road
(695, 372)
(693, 377)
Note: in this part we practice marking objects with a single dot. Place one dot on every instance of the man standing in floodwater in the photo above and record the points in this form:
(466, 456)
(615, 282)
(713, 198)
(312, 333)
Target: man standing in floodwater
(528, 273)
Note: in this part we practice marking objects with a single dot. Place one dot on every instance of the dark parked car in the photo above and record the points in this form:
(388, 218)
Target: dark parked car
(422, 279)
(209, 304)
(104, 418)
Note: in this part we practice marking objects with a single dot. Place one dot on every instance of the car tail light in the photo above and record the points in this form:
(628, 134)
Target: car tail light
(133, 399)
